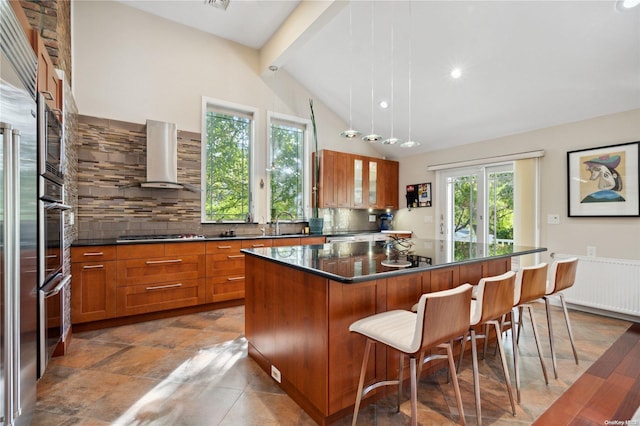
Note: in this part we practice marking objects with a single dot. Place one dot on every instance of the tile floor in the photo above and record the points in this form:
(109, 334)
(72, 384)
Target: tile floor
(194, 370)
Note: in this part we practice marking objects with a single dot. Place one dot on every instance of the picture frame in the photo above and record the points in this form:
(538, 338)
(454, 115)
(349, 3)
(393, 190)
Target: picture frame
(424, 194)
(604, 181)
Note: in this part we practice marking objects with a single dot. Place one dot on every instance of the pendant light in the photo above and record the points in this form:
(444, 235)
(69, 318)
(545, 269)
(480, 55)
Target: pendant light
(410, 143)
(274, 69)
(372, 137)
(392, 140)
(350, 134)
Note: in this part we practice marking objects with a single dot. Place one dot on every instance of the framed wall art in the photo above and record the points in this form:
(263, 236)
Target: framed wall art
(604, 181)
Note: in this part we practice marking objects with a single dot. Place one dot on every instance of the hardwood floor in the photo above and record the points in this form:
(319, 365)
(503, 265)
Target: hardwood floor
(194, 370)
(608, 391)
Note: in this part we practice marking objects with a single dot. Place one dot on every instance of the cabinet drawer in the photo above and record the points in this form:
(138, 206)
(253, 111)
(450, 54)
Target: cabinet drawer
(141, 299)
(265, 242)
(178, 249)
(224, 264)
(93, 254)
(223, 246)
(160, 269)
(228, 287)
(139, 251)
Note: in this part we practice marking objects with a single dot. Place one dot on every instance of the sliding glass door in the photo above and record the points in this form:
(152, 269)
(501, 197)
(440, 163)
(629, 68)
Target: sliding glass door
(477, 205)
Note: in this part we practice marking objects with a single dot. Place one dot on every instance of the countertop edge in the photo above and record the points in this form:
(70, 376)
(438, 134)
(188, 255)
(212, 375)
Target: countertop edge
(387, 274)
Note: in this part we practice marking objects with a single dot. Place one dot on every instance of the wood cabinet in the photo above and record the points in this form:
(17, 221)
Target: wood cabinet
(48, 82)
(93, 285)
(116, 281)
(225, 273)
(356, 181)
(155, 277)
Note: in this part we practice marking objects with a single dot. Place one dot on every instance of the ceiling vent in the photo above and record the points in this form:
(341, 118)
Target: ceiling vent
(218, 4)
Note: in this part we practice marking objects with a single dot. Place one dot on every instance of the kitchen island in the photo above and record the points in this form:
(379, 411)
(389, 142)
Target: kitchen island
(300, 301)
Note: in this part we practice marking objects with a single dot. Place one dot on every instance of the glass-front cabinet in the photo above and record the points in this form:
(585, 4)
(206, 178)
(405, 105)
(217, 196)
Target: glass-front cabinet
(373, 183)
(358, 187)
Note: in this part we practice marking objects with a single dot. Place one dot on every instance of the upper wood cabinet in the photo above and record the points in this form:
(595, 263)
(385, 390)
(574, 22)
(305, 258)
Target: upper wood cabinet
(48, 82)
(357, 181)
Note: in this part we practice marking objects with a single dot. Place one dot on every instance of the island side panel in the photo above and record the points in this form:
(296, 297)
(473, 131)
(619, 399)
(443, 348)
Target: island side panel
(286, 326)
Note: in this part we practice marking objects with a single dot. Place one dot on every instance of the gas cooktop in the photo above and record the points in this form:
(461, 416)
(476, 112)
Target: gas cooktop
(160, 237)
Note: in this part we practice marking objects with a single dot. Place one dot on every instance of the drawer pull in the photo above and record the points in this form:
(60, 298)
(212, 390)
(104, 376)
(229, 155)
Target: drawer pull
(161, 287)
(224, 247)
(158, 262)
(235, 256)
(235, 278)
(93, 267)
(93, 253)
(257, 245)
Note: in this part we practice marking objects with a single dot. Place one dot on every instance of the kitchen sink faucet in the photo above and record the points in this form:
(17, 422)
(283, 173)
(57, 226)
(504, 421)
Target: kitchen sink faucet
(278, 220)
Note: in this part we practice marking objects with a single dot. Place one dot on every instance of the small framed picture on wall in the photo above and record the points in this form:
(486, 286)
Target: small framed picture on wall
(604, 181)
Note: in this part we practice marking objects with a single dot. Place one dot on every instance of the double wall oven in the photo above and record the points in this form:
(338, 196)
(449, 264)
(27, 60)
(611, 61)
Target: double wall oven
(51, 278)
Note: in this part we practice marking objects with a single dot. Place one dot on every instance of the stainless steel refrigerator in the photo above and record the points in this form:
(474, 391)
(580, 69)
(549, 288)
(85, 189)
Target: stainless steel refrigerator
(18, 222)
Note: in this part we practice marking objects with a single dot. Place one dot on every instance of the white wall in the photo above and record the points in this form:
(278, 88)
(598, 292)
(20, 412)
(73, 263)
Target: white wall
(612, 237)
(133, 66)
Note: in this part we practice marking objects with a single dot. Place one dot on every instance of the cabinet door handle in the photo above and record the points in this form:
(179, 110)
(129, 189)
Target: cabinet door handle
(93, 253)
(235, 278)
(93, 267)
(224, 247)
(161, 287)
(235, 256)
(158, 262)
(47, 95)
(257, 245)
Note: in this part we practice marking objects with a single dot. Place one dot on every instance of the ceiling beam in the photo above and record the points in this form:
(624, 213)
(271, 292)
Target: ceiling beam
(305, 21)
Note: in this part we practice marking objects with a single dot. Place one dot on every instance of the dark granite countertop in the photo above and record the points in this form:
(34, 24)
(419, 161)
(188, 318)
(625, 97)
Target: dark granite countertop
(353, 262)
(115, 241)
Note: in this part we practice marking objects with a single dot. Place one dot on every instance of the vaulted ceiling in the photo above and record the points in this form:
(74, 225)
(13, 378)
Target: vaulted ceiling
(524, 65)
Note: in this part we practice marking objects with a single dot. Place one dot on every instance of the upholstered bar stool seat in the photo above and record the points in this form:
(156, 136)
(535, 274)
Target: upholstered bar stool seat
(440, 317)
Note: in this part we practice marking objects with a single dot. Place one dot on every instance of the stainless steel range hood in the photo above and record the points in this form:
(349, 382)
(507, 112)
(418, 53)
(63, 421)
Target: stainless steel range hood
(162, 157)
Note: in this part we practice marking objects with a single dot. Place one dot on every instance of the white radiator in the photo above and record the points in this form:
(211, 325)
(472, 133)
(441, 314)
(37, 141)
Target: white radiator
(604, 284)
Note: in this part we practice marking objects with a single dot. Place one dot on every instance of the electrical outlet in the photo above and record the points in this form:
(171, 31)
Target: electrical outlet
(275, 373)
(72, 218)
(372, 218)
(591, 251)
(553, 219)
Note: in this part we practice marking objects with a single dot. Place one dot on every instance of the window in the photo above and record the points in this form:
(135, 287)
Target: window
(479, 206)
(226, 161)
(289, 182)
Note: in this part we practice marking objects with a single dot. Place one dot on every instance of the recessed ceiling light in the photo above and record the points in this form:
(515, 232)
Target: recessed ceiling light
(384, 104)
(456, 73)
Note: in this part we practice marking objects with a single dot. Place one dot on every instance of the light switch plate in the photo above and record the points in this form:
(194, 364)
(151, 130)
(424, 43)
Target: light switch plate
(372, 218)
(553, 219)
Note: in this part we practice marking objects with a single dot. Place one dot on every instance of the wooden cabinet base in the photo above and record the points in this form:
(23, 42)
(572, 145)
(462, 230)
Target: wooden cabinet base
(298, 322)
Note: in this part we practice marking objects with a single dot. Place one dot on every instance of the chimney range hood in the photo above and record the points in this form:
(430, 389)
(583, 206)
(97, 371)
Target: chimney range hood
(162, 157)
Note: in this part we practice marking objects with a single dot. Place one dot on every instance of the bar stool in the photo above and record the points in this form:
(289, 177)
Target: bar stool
(440, 317)
(494, 298)
(531, 284)
(563, 274)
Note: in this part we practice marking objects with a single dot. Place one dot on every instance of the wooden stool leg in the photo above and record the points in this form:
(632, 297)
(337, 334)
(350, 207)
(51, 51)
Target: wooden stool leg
(566, 319)
(507, 380)
(476, 376)
(363, 371)
(516, 365)
(456, 387)
(551, 344)
(539, 346)
(400, 377)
